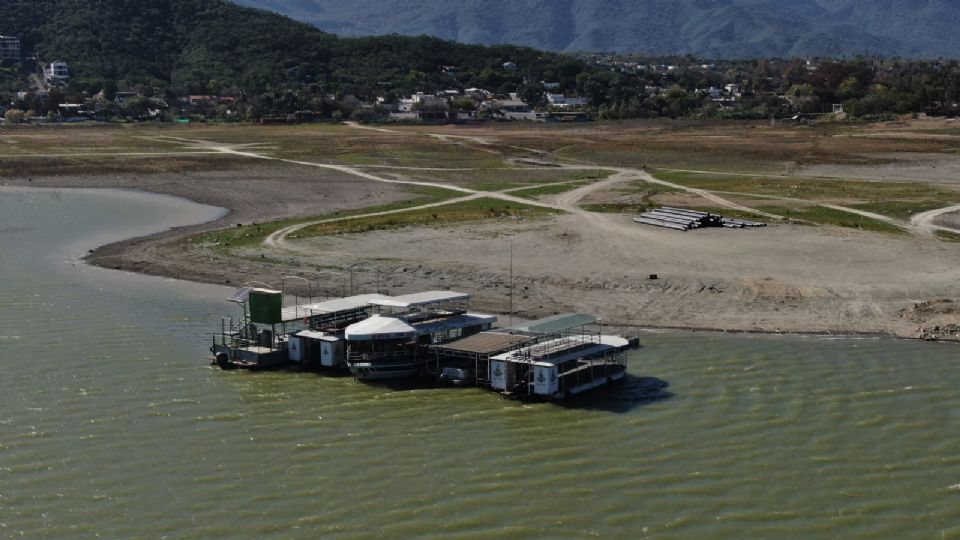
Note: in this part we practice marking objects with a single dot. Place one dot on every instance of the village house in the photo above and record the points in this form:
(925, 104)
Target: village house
(478, 94)
(56, 73)
(509, 66)
(121, 98)
(9, 48)
(511, 108)
(560, 101)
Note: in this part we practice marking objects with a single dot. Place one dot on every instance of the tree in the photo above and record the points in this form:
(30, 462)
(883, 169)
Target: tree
(14, 116)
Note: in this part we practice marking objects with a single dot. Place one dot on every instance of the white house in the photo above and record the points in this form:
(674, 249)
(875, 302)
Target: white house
(561, 101)
(478, 94)
(56, 73)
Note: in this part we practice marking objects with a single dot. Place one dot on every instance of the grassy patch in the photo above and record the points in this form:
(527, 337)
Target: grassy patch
(473, 210)
(948, 236)
(226, 240)
(734, 213)
(631, 198)
(551, 189)
(811, 188)
(615, 208)
(828, 216)
(588, 174)
(814, 215)
(900, 209)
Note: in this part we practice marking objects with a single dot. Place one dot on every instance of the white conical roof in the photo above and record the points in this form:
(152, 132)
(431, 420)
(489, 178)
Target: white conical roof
(379, 327)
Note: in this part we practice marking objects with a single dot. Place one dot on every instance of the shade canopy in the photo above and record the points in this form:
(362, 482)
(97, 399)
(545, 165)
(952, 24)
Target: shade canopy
(379, 327)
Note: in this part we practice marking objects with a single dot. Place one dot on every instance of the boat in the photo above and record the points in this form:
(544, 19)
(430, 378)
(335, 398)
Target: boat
(552, 358)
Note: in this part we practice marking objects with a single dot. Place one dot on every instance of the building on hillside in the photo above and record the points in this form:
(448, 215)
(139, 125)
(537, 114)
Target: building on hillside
(56, 73)
(509, 66)
(9, 48)
(478, 94)
(121, 98)
(550, 85)
(561, 101)
(512, 108)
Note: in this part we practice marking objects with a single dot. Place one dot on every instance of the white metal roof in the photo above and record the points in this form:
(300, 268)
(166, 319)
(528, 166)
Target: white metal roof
(322, 336)
(457, 321)
(379, 327)
(293, 313)
(595, 345)
(421, 299)
(557, 323)
(348, 303)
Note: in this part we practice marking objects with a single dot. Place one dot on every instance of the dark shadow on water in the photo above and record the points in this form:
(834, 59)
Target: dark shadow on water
(622, 396)
(399, 385)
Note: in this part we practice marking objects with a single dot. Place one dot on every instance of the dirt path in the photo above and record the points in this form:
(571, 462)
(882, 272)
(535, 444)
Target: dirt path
(924, 221)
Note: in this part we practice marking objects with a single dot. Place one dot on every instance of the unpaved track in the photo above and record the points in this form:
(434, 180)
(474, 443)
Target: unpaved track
(566, 203)
(924, 221)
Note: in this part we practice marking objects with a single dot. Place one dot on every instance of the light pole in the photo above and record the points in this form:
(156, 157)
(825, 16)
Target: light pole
(296, 299)
(321, 272)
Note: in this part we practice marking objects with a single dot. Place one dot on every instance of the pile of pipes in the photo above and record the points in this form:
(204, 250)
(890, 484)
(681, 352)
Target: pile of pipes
(684, 220)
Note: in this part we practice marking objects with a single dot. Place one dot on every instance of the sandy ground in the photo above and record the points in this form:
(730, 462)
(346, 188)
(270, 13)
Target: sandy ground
(936, 168)
(776, 279)
(949, 220)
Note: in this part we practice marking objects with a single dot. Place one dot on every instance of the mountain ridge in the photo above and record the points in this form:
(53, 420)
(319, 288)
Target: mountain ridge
(703, 28)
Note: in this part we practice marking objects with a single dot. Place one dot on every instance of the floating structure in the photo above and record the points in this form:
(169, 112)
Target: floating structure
(685, 220)
(431, 334)
(372, 335)
(268, 335)
(388, 345)
(551, 358)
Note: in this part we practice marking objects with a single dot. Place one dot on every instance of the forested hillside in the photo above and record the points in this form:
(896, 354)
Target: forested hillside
(705, 28)
(193, 44)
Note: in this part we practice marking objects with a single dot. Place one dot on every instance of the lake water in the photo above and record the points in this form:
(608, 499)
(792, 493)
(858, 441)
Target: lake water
(113, 425)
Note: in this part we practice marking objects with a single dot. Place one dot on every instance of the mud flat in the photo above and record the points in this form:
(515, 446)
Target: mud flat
(783, 278)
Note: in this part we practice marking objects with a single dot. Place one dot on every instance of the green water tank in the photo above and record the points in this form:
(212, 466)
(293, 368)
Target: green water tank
(265, 307)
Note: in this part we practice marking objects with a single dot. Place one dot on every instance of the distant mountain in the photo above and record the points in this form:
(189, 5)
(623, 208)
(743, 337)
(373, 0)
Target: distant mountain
(705, 28)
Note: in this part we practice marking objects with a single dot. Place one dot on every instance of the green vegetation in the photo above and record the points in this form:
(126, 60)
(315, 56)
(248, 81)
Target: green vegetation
(634, 198)
(615, 208)
(828, 216)
(272, 67)
(738, 214)
(207, 46)
(254, 235)
(948, 236)
(550, 189)
(814, 215)
(900, 209)
(809, 188)
(473, 210)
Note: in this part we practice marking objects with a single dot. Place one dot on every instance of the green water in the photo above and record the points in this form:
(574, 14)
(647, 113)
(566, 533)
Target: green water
(112, 424)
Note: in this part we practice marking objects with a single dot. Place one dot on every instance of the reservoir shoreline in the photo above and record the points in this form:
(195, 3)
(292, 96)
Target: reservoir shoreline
(156, 254)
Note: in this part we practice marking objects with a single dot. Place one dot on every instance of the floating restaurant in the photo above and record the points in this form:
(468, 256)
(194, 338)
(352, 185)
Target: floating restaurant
(430, 334)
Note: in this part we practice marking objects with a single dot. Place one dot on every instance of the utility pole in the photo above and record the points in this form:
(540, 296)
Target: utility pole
(511, 282)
